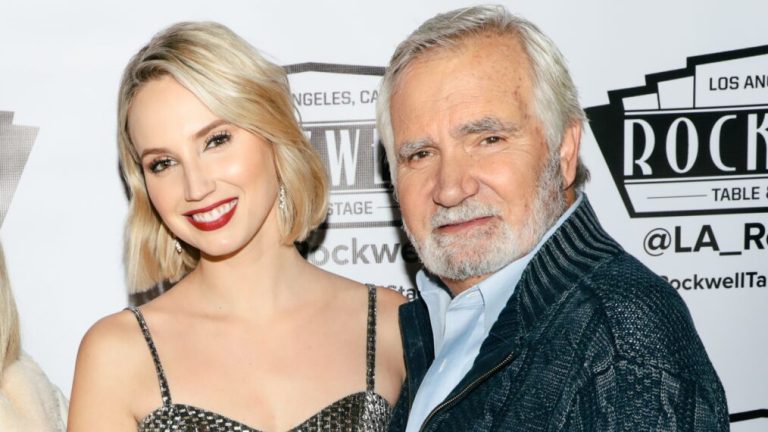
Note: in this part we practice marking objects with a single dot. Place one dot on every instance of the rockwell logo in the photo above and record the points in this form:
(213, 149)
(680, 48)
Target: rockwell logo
(337, 107)
(691, 141)
(744, 279)
(15, 144)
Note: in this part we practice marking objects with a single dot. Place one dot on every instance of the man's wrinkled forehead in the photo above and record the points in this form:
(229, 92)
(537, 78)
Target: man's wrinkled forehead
(481, 68)
(482, 125)
(458, 44)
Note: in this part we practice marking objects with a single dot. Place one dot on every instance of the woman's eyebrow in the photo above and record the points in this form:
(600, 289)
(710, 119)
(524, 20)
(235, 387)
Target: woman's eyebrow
(211, 126)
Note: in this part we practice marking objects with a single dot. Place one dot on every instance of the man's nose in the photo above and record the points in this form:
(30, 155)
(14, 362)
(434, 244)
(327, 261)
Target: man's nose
(198, 183)
(456, 179)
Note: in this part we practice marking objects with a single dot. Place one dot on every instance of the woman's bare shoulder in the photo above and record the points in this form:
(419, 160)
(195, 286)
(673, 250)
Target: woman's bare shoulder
(389, 300)
(389, 358)
(112, 337)
(111, 351)
(111, 356)
(388, 303)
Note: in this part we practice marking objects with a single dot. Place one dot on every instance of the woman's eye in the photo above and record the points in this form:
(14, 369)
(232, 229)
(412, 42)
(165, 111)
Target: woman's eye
(159, 165)
(217, 139)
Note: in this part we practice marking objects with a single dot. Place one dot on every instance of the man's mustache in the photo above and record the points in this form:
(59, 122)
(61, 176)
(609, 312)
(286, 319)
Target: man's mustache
(466, 211)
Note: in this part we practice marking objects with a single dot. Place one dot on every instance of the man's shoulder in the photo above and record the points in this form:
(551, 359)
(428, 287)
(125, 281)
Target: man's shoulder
(645, 317)
(629, 292)
(623, 279)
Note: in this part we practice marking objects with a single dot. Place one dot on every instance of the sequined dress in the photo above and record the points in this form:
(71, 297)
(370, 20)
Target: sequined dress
(364, 411)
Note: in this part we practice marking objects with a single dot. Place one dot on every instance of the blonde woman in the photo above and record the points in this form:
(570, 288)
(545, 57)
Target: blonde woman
(28, 401)
(251, 337)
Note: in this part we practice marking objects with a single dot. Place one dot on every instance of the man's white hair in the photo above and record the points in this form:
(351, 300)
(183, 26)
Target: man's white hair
(555, 99)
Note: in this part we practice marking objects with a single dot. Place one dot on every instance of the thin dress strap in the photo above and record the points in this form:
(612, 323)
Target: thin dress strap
(370, 368)
(165, 392)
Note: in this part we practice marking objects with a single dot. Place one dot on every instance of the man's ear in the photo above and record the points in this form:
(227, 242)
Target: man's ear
(569, 153)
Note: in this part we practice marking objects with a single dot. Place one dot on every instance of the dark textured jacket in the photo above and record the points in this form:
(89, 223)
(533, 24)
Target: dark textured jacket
(591, 340)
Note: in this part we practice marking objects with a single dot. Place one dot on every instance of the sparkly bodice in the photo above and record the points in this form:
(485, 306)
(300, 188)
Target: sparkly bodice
(365, 411)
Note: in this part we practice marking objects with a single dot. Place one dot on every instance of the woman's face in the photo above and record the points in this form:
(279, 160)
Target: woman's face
(213, 184)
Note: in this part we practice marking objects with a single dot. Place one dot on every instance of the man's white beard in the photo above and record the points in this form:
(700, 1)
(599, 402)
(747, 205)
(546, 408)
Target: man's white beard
(486, 249)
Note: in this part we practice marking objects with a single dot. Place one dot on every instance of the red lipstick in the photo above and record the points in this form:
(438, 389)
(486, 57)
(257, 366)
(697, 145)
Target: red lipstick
(208, 219)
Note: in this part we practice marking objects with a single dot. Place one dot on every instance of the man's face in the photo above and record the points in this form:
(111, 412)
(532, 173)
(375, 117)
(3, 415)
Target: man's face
(476, 182)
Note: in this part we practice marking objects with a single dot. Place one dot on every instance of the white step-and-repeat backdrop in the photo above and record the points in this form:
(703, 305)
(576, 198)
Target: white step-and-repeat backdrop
(677, 95)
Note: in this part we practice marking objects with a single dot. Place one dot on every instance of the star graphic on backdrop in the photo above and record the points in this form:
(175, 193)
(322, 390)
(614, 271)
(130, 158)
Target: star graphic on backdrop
(15, 145)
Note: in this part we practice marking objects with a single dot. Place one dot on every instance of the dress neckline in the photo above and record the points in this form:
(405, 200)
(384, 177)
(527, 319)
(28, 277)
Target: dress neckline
(168, 405)
(242, 427)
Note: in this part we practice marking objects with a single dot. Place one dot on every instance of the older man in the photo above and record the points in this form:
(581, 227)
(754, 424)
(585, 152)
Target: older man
(531, 317)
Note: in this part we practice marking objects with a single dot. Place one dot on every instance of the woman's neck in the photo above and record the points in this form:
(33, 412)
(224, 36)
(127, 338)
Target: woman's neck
(261, 279)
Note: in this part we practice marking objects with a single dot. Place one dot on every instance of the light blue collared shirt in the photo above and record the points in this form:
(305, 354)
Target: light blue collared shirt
(461, 324)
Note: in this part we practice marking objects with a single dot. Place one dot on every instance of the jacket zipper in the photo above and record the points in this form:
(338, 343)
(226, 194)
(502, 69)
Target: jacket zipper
(467, 389)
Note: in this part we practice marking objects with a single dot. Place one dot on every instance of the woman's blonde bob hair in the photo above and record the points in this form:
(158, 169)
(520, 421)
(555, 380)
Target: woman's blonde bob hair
(10, 338)
(240, 86)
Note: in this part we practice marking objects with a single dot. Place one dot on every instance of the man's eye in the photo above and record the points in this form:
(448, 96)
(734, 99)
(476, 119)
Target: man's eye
(491, 140)
(421, 154)
(217, 139)
(159, 165)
